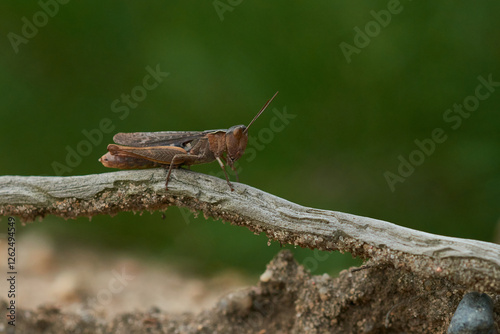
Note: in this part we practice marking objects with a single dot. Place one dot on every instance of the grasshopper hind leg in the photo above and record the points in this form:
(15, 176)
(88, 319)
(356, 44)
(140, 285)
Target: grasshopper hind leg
(173, 164)
(168, 168)
(186, 160)
(179, 160)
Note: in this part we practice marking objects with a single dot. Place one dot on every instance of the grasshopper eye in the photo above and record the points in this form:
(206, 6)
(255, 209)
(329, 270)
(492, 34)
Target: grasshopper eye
(238, 132)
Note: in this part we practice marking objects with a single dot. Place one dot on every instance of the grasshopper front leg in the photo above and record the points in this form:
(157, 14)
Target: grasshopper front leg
(221, 164)
(231, 165)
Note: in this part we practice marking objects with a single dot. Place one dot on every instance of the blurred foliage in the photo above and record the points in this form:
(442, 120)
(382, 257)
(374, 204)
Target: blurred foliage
(353, 119)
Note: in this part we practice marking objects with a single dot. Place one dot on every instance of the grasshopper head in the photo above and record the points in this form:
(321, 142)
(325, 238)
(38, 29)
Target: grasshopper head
(237, 137)
(236, 142)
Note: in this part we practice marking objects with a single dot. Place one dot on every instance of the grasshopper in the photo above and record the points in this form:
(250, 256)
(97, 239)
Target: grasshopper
(173, 149)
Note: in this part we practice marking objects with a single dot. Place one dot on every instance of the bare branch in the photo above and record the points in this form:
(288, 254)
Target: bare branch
(470, 263)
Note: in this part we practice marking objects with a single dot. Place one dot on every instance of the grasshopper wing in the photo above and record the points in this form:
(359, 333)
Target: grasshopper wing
(162, 138)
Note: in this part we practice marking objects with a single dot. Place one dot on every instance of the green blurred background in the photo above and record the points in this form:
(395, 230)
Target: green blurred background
(353, 118)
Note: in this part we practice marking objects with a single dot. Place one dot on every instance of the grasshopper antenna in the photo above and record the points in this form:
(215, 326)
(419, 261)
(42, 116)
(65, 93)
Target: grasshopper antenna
(260, 112)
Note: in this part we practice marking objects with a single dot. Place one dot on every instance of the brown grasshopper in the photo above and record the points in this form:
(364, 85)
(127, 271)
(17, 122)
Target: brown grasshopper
(174, 149)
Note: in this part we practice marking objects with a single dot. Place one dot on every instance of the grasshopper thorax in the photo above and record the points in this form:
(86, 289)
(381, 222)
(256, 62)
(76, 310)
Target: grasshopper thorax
(236, 142)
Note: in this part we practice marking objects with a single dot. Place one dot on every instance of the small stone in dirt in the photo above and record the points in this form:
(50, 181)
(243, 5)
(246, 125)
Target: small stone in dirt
(474, 315)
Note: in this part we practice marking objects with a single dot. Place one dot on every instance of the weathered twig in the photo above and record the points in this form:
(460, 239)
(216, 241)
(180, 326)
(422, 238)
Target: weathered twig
(470, 263)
